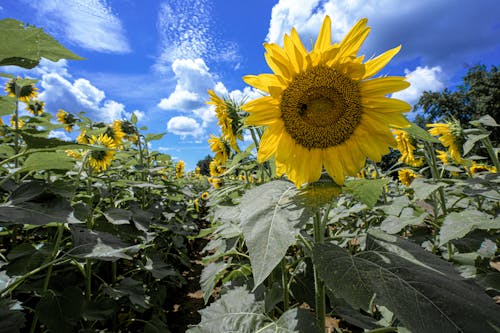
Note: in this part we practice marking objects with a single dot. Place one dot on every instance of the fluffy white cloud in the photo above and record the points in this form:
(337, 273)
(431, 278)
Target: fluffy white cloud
(193, 81)
(421, 79)
(184, 126)
(467, 26)
(90, 24)
(60, 135)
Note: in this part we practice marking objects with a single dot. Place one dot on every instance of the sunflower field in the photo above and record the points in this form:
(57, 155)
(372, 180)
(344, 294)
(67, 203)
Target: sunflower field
(341, 216)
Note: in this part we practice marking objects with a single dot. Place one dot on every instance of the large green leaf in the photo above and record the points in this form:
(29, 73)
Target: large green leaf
(210, 275)
(56, 160)
(238, 311)
(60, 313)
(37, 141)
(24, 45)
(458, 224)
(270, 220)
(366, 190)
(7, 105)
(417, 132)
(393, 224)
(11, 319)
(425, 187)
(424, 291)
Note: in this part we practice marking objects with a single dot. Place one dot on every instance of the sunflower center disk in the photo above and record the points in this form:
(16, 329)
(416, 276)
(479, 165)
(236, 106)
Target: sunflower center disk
(321, 108)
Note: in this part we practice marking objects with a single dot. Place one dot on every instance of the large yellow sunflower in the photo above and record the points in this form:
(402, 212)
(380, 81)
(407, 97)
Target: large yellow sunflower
(448, 138)
(406, 149)
(323, 108)
(100, 159)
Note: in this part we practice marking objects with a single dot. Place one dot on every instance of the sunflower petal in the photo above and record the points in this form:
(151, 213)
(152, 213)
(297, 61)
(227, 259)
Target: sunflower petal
(354, 39)
(383, 85)
(384, 104)
(373, 66)
(264, 81)
(390, 119)
(325, 36)
(269, 142)
(333, 165)
(278, 67)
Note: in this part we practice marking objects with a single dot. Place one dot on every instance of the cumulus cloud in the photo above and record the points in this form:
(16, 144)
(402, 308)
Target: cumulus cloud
(91, 24)
(61, 135)
(184, 126)
(420, 26)
(421, 79)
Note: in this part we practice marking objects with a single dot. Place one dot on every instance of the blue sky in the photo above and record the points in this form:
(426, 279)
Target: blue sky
(159, 58)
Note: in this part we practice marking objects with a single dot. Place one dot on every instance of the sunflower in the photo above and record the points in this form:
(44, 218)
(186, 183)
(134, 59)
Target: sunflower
(220, 149)
(114, 131)
(205, 196)
(26, 92)
(448, 137)
(406, 176)
(100, 159)
(227, 116)
(443, 156)
(83, 138)
(74, 153)
(35, 107)
(179, 169)
(323, 108)
(128, 128)
(20, 122)
(476, 167)
(67, 119)
(406, 148)
(197, 171)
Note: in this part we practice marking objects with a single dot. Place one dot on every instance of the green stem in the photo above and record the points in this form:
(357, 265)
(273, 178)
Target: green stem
(489, 147)
(55, 251)
(88, 279)
(435, 174)
(383, 330)
(284, 282)
(319, 284)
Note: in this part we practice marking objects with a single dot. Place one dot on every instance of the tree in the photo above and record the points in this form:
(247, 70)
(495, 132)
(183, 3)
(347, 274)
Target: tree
(204, 165)
(478, 95)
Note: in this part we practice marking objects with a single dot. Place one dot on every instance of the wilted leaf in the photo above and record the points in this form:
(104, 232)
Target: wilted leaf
(270, 220)
(401, 273)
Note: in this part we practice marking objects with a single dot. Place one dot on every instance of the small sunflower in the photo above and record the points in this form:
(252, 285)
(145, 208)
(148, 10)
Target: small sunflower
(35, 107)
(67, 119)
(324, 109)
(406, 149)
(128, 128)
(227, 115)
(205, 196)
(20, 122)
(197, 171)
(179, 169)
(443, 156)
(220, 149)
(114, 131)
(74, 153)
(216, 182)
(448, 137)
(26, 92)
(100, 159)
(213, 167)
(476, 167)
(83, 138)
(406, 176)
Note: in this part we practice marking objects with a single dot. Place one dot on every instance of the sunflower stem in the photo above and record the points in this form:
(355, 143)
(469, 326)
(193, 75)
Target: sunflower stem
(319, 284)
(435, 174)
(489, 147)
(284, 283)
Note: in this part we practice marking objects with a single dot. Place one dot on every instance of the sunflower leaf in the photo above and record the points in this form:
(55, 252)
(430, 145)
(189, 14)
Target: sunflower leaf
(270, 220)
(459, 224)
(366, 190)
(24, 45)
(48, 161)
(419, 133)
(7, 105)
(395, 272)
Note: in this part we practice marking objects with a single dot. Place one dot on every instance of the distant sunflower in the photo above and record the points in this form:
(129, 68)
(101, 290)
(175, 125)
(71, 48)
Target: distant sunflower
(323, 110)
(83, 138)
(443, 156)
(67, 119)
(20, 122)
(26, 92)
(205, 196)
(114, 131)
(476, 167)
(179, 169)
(406, 149)
(197, 171)
(35, 107)
(406, 176)
(100, 159)
(128, 128)
(449, 137)
(226, 113)
(218, 147)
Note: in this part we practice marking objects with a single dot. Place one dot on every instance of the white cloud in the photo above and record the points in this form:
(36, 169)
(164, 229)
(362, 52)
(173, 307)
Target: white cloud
(112, 110)
(91, 24)
(60, 135)
(184, 126)
(206, 114)
(421, 79)
(193, 81)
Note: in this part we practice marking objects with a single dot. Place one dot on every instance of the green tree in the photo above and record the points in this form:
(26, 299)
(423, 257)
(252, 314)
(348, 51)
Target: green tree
(478, 95)
(204, 165)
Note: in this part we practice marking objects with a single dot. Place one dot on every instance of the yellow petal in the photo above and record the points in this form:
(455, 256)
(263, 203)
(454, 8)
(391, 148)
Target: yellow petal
(269, 141)
(354, 39)
(314, 165)
(300, 49)
(264, 81)
(383, 85)
(285, 148)
(325, 36)
(384, 104)
(390, 119)
(333, 165)
(278, 67)
(373, 66)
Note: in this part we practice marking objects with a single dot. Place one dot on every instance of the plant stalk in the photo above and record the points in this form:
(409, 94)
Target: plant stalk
(319, 284)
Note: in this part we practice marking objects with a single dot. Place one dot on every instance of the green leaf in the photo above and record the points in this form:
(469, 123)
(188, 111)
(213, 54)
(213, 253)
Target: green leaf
(153, 137)
(7, 105)
(24, 45)
(11, 319)
(471, 141)
(425, 292)
(210, 275)
(98, 310)
(61, 312)
(296, 320)
(366, 190)
(133, 289)
(158, 268)
(458, 224)
(417, 132)
(56, 160)
(423, 188)
(118, 216)
(36, 142)
(270, 220)
(486, 120)
(156, 325)
(26, 257)
(394, 224)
